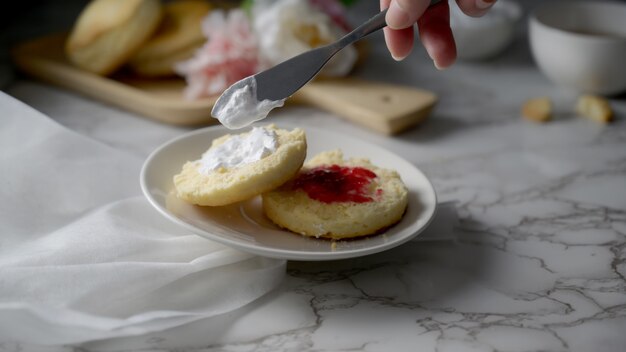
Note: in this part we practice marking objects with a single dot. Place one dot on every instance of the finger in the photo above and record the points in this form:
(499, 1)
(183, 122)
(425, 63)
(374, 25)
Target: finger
(399, 42)
(436, 35)
(404, 13)
(475, 8)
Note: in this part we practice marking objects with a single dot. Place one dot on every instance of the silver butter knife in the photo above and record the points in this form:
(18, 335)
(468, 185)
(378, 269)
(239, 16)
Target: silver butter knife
(253, 97)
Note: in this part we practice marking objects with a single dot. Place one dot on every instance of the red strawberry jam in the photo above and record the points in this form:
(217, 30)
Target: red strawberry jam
(334, 183)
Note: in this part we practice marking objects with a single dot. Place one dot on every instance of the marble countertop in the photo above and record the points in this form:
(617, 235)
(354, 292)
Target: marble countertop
(536, 260)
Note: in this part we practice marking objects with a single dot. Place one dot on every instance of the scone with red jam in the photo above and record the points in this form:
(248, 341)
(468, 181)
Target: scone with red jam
(337, 199)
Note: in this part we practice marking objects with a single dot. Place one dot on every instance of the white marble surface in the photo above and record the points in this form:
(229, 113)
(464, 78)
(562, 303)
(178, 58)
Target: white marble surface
(536, 261)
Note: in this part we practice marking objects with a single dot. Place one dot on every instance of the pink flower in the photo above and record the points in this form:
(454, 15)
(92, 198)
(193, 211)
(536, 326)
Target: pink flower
(230, 54)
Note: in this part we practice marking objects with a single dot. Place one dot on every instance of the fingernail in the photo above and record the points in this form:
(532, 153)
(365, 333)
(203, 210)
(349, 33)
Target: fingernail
(396, 17)
(398, 58)
(437, 66)
(484, 4)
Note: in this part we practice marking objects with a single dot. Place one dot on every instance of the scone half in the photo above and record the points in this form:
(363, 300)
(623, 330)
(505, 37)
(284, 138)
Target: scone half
(225, 186)
(321, 211)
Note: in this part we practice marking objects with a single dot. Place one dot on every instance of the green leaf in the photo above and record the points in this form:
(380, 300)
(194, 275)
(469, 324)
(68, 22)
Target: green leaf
(348, 2)
(246, 5)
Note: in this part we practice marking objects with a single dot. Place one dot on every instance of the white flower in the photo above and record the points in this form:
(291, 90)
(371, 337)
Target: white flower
(286, 28)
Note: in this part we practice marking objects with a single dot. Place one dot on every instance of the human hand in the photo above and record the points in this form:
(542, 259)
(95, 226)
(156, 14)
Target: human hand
(433, 23)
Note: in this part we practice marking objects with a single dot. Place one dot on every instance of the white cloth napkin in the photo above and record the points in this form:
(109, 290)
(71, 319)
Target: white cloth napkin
(84, 257)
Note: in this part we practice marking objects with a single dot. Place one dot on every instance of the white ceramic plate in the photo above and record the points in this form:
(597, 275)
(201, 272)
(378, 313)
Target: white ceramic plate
(245, 227)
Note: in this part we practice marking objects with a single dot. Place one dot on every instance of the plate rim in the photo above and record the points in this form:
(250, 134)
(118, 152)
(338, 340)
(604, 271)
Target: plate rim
(277, 253)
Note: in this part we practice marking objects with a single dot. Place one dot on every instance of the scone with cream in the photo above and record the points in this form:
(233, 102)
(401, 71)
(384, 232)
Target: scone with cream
(108, 32)
(179, 35)
(239, 167)
(337, 199)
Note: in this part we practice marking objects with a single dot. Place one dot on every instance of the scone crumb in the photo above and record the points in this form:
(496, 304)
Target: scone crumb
(538, 109)
(595, 108)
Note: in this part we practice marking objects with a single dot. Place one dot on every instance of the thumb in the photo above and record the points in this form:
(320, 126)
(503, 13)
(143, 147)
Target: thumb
(404, 13)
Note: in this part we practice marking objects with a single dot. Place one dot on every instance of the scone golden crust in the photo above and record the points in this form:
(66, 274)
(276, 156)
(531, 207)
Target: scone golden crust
(230, 185)
(379, 202)
(108, 32)
(179, 35)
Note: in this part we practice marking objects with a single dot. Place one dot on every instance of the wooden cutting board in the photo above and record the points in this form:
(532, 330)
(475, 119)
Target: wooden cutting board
(385, 108)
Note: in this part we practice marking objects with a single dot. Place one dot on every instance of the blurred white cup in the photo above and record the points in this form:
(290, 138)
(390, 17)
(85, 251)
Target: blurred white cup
(581, 45)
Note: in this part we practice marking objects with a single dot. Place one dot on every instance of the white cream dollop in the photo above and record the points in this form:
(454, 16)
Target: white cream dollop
(239, 107)
(239, 150)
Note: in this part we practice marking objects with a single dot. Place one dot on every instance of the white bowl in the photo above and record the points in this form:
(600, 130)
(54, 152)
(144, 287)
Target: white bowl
(581, 45)
(487, 36)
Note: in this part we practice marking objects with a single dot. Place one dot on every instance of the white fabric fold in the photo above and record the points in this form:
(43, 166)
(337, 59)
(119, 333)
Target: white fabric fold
(83, 257)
